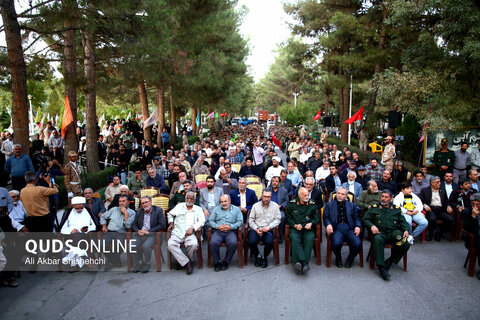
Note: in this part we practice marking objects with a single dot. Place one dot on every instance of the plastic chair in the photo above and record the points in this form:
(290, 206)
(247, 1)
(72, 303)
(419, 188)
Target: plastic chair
(471, 254)
(149, 191)
(199, 250)
(329, 251)
(201, 177)
(257, 187)
(371, 255)
(161, 200)
(376, 148)
(236, 166)
(276, 250)
(252, 178)
(239, 247)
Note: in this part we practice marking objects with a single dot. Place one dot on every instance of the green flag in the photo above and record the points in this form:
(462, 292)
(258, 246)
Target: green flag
(216, 114)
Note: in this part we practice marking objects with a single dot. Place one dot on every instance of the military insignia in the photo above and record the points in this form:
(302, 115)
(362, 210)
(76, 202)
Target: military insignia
(397, 207)
(401, 242)
(398, 237)
(374, 205)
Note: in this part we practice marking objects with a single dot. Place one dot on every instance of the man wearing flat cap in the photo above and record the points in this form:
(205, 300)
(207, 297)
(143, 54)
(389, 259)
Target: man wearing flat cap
(443, 159)
(388, 153)
(72, 179)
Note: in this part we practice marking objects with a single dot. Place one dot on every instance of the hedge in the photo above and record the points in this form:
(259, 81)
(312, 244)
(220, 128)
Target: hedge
(96, 181)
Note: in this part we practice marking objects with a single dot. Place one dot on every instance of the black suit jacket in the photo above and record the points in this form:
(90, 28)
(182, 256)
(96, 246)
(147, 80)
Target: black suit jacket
(114, 203)
(330, 183)
(330, 214)
(317, 197)
(157, 220)
(426, 197)
(470, 224)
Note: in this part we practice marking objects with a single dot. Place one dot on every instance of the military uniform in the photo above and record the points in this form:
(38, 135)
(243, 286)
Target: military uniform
(392, 225)
(443, 158)
(302, 214)
(72, 180)
(179, 197)
(387, 156)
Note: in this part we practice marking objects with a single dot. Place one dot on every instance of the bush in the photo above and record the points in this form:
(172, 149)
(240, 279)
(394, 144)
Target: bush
(96, 181)
(191, 140)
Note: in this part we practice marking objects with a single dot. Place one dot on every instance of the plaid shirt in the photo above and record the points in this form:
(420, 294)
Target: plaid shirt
(375, 174)
(166, 174)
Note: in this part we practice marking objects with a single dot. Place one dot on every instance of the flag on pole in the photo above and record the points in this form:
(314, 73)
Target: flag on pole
(357, 116)
(216, 114)
(151, 120)
(129, 115)
(67, 116)
(211, 115)
(197, 121)
(56, 120)
(276, 141)
(424, 131)
(40, 125)
(318, 115)
(100, 121)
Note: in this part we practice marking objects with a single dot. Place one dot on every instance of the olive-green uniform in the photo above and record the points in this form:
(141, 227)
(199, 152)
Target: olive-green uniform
(179, 197)
(72, 180)
(302, 214)
(443, 158)
(392, 225)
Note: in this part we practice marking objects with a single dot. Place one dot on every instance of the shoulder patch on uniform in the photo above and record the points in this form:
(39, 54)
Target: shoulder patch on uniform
(293, 201)
(374, 205)
(311, 202)
(397, 207)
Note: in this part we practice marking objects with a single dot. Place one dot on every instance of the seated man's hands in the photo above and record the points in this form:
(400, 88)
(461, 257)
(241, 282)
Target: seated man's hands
(329, 229)
(298, 227)
(189, 231)
(357, 231)
(375, 230)
(308, 226)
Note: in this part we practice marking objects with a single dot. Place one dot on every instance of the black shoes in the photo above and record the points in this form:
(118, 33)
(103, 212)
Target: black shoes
(258, 261)
(146, 267)
(224, 265)
(384, 273)
(264, 263)
(338, 262)
(137, 267)
(349, 262)
(189, 267)
(218, 266)
(438, 236)
(388, 263)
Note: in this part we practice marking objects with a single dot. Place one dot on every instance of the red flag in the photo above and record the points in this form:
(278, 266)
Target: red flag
(318, 116)
(67, 116)
(357, 116)
(276, 141)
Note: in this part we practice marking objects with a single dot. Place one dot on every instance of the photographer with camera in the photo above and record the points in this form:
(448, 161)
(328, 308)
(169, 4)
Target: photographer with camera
(35, 200)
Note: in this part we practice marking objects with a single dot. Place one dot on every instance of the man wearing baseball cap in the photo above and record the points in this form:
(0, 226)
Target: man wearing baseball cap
(388, 153)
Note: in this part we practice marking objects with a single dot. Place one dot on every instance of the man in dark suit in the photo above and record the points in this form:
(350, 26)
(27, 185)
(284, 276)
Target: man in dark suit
(102, 152)
(248, 169)
(342, 222)
(315, 194)
(286, 183)
(448, 184)
(243, 198)
(435, 204)
(230, 173)
(148, 220)
(471, 223)
(333, 181)
(280, 197)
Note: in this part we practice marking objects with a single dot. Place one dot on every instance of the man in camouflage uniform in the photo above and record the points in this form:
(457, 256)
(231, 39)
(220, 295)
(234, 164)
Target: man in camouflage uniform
(388, 154)
(388, 226)
(302, 216)
(72, 179)
(443, 159)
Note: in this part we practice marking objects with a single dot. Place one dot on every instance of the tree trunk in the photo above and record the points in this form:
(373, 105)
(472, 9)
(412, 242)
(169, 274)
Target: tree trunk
(327, 102)
(378, 66)
(20, 119)
(173, 117)
(210, 121)
(142, 92)
(90, 104)
(70, 76)
(161, 112)
(344, 106)
(194, 121)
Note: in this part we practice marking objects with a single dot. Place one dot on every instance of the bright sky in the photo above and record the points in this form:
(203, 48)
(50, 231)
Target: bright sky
(265, 26)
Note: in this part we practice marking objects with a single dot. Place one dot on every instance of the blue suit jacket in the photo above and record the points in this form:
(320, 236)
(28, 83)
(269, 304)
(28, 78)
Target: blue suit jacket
(251, 198)
(282, 197)
(356, 186)
(330, 214)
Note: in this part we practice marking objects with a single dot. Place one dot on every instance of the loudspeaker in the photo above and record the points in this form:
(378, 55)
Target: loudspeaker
(327, 121)
(394, 119)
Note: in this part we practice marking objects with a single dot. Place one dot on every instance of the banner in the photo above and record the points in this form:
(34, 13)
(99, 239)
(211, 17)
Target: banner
(357, 116)
(67, 116)
(151, 120)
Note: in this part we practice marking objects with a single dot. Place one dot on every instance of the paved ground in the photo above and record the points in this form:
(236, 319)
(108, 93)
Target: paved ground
(434, 287)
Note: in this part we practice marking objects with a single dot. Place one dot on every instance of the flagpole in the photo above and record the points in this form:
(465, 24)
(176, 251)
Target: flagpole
(350, 108)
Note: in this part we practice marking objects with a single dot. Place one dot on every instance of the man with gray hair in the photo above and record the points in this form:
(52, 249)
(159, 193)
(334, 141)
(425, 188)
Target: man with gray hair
(224, 220)
(123, 192)
(471, 224)
(148, 220)
(94, 204)
(17, 166)
(183, 221)
(369, 197)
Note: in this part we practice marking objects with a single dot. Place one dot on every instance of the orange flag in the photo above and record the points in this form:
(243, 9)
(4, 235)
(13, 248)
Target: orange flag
(67, 116)
(357, 116)
(318, 116)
